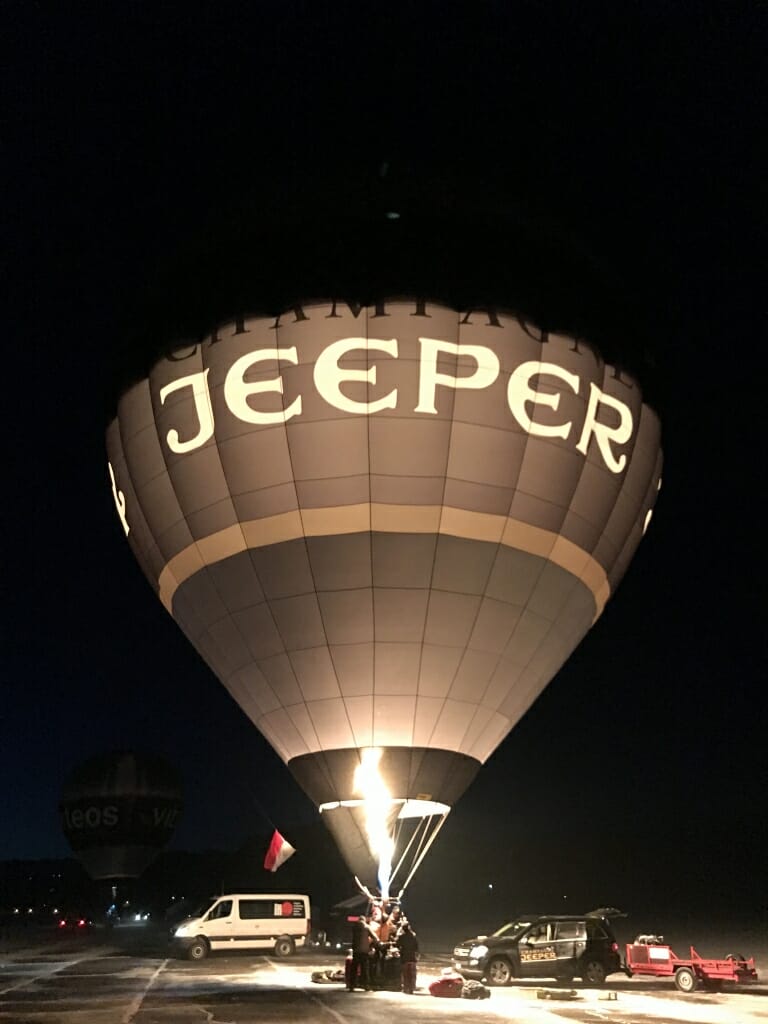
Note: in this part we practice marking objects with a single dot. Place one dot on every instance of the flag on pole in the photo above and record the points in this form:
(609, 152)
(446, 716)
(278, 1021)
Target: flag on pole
(278, 853)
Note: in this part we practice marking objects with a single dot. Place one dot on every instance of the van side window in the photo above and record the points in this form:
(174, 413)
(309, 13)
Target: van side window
(223, 909)
(252, 910)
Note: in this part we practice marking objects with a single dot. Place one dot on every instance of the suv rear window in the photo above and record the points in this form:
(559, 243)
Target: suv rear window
(597, 930)
(571, 930)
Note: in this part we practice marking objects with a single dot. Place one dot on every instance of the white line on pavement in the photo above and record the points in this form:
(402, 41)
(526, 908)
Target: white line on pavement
(328, 1009)
(135, 1006)
(54, 969)
(338, 1017)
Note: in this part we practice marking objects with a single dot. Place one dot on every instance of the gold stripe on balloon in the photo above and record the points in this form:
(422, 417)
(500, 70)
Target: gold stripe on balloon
(380, 518)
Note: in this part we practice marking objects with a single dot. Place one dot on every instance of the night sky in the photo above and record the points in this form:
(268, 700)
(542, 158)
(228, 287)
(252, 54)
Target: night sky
(632, 132)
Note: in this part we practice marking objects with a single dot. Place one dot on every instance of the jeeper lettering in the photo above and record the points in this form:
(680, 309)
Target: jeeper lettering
(531, 955)
(608, 422)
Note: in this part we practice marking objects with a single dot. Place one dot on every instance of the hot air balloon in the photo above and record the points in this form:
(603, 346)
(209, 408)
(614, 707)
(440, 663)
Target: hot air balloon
(118, 810)
(385, 528)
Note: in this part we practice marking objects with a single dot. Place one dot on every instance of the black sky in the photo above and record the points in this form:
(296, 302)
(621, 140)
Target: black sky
(633, 132)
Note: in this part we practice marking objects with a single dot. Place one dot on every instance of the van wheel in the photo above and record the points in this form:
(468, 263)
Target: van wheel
(593, 972)
(499, 971)
(198, 950)
(284, 947)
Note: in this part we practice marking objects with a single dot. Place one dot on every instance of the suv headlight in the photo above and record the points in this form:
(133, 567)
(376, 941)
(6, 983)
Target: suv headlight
(478, 952)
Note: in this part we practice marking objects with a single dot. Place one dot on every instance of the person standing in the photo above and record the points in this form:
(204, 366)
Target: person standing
(375, 925)
(408, 945)
(360, 974)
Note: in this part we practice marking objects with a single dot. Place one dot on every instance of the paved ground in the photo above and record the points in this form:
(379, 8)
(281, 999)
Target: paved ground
(88, 981)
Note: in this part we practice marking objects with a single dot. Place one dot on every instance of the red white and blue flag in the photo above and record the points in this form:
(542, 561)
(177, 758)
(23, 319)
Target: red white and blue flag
(278, 853)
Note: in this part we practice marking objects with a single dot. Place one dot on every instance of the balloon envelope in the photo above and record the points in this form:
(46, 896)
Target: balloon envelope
(384, 528)
(118, 810)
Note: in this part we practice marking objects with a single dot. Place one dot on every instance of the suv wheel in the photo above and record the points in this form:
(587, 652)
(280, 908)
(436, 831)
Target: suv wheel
(499, 971)
(593, 972)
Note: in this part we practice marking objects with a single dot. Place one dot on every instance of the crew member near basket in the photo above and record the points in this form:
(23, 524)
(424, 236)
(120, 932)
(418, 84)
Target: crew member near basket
(408, 945)
(360, 973)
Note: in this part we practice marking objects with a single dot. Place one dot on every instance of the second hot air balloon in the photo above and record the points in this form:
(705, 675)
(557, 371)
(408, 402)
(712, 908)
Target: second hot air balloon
(119, 810)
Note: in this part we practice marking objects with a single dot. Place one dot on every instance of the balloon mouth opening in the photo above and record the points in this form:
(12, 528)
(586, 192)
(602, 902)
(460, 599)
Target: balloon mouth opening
(408, 808)
(398, 833)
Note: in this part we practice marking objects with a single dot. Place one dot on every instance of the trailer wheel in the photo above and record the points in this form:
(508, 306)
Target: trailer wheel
(686, 980)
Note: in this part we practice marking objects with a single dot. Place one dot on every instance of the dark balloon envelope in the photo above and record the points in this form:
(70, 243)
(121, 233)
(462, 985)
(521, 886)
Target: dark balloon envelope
(384, 528)
(118, 810)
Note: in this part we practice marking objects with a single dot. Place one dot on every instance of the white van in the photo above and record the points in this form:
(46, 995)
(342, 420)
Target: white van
(279, 922)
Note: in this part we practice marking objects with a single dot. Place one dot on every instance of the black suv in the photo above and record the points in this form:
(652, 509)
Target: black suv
(562, 946)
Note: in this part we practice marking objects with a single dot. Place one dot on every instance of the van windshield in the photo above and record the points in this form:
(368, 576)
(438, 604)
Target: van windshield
(511, 930)
(198, 908)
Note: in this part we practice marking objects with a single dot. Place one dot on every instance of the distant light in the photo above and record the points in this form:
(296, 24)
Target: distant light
(490, 885)
(392, 215)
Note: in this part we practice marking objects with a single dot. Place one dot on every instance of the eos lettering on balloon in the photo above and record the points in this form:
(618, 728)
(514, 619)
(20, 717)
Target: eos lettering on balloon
(90, 817)
(522, 395)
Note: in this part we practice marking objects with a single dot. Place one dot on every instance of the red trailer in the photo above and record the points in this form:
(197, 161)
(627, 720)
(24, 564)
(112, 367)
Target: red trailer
(660, 961)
